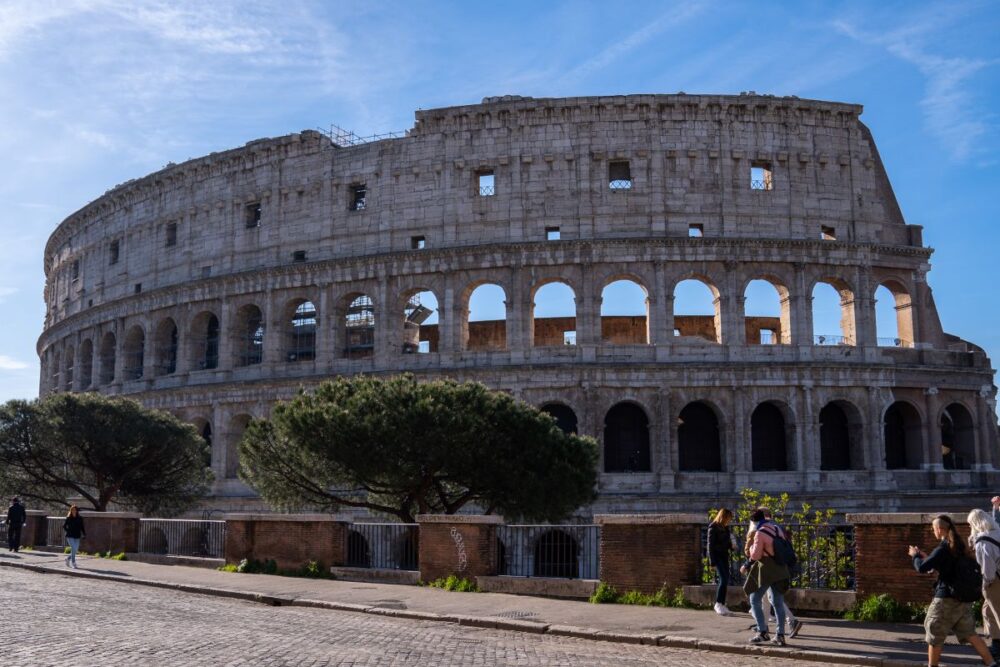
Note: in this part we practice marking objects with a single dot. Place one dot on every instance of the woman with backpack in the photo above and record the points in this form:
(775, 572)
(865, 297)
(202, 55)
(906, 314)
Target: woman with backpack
(948, 612)
(720, 548)
(985, 542)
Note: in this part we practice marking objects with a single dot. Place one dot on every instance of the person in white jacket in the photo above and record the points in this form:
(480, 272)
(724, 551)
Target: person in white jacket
(985, 541)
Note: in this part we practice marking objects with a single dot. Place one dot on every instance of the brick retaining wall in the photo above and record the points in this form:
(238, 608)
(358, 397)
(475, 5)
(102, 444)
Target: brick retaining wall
(291, 540)
(462, 545)
(647, 552)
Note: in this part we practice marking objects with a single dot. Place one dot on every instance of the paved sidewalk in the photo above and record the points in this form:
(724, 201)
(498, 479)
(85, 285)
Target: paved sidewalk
(822, 640)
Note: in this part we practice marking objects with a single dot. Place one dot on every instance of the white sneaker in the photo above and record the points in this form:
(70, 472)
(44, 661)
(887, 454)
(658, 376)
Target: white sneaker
(722, 610)
(74, 566)
(67, 561)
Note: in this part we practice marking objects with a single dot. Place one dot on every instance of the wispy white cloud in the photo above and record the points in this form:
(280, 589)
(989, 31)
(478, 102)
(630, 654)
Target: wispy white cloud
(11, 364)
(949, 104)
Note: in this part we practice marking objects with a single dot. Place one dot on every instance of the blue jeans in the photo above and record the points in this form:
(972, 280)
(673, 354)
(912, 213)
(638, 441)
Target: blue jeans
(757, 609)
(74, 546)
(722, 573)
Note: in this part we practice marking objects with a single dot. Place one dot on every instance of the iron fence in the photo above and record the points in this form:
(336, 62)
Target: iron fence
(567, 551)
(825, 556)
(893, 342)
(620, 184)
(487, 190)
(824, 339)
(54, 535)
(383, 546)
(182, 537)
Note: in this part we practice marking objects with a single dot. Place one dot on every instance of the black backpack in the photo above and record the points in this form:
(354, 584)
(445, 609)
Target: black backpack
(784, 552)
(966, 581)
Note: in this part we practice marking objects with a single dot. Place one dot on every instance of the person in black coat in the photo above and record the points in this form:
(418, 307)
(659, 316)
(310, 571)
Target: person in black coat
(16, 518)
(720, 548)
(73, 527)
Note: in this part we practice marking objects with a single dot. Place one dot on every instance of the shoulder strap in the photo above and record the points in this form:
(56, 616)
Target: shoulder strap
(987, 538)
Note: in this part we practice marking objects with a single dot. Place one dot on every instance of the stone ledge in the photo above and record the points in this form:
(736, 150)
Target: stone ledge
(650, 519)
(488, 519)
(900, 518)
(299, 518)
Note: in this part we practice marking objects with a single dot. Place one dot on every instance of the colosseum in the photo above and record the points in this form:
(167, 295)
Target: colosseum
(215, 287)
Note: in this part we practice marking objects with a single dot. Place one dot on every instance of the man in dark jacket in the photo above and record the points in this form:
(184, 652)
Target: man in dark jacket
(16, 518)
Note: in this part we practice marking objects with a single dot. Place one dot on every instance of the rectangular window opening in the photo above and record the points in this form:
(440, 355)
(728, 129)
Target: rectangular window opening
(696, 231)
(113, 252)
(552, 234)
(359, 197)
(138, 287)
(569, 337)
(619, 175)
(677, 333)
(253, 215)
(418, 242)
(767, 337)
(424, 347)
(76, 270)
(827, 233)
(171, 234)
(299, 256)
(761, 176)
(487, 183)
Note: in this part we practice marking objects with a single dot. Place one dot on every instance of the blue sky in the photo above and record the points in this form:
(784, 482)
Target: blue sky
(95, 92)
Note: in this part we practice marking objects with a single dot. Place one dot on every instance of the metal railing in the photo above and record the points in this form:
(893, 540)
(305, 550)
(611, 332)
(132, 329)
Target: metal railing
(54, 535)
(825, 556)
(487, 190)
(893, 342)
(824, 339)
(620, 184)
(567, 551)
(383, 546)
(182, 537)
(760, 185)
(342, 137)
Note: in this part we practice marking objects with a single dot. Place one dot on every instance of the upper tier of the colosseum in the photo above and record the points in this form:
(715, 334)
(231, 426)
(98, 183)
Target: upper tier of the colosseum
(507, 171)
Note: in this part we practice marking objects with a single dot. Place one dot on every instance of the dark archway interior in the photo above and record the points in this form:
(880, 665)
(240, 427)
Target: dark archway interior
(958, 440)
(834, 438)
(768, 438)
(626, 439)
(699, 447)
(556, 555)
(902, 436)
(564, 416)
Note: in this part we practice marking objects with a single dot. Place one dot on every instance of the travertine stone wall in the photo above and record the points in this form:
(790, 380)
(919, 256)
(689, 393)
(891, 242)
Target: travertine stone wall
(170, 251)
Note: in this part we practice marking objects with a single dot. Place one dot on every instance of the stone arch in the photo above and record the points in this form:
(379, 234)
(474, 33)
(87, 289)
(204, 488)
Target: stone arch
(109, 353)
(300, 324)
(624, 311)
(204, 427)
(55, 368)
(69, 366)
(421, 322)
(821, 311)
(902, 334)
(767, 320)
(841, 436)
(237, 425)
(699, 441)
(135, 353)
(205, 337)
(165, 347)
(556, 554)
(697, 292)
(902, 436)
(248, 335)
(564, 415)
(86, 364)
(626, 439)
(481, 302)
(357, 326)
(771, 437)
(550, 324)
(958, 437)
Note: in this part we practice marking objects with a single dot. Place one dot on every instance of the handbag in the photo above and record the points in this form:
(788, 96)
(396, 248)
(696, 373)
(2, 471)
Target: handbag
(752, 583)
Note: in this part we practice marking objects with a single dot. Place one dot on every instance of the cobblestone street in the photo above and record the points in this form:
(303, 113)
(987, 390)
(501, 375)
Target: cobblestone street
(56, 620)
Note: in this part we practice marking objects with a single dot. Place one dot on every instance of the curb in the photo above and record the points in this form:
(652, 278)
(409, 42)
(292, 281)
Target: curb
(531, 627)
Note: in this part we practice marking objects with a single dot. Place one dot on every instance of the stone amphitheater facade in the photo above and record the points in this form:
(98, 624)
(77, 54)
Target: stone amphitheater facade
(215, 287)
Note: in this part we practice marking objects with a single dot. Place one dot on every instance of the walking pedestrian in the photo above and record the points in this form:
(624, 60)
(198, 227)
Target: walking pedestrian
(720, 549)
(766, 574)
(985, 541)
(947, 613)
(73, 527)
(791, 620)
(16, 518)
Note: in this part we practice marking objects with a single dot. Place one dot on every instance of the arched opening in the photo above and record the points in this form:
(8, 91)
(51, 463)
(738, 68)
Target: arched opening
(166, 347)
(359, 328)
(358, 552)
(624, 313)
(193, 542)
(833, 311)
(564, 416)
(697, 310)
(486, 319)
(86, 364)
(556, 555)
(420, 324)
(237, 425)
(205, 335)
(553, 315)
(840, 437)
(893, 315)
(108, 353)
(248, 336)
(406, 549)
(70, 368)
(135, 353)
(300, 331)
(768, 439)
(154, 541)
(626, 439)
(206, 435)
(699, 447)
(958, 438)
(767, 316)
(55, 370)
(902, 436)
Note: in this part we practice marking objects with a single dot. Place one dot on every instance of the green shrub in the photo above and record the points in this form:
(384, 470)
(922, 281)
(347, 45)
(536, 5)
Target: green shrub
(254, 566)
(453, 583)
(228, 567)
(604, 594)
(885, 609)
(311, 570)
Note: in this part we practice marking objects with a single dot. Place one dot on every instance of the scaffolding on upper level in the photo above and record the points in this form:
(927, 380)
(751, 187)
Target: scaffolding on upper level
(343, 138)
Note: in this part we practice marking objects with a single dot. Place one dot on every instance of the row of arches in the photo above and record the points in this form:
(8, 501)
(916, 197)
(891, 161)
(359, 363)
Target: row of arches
(481, 325)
